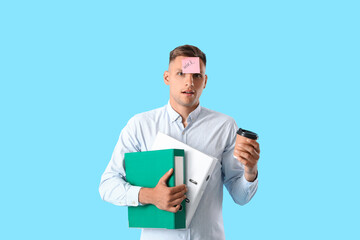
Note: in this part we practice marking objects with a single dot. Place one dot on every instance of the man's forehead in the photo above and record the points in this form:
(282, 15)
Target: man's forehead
(187, 64)
(191, 65)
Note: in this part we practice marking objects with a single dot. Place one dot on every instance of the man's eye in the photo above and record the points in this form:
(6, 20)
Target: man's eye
(197, 75)
(180, 73)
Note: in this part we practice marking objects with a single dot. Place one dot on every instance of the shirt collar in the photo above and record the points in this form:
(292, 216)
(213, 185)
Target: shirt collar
(172, 113)
(195, 114)
(175, 116)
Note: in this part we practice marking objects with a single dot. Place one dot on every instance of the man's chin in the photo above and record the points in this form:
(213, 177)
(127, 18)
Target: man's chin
(190, 104)
(186, 103)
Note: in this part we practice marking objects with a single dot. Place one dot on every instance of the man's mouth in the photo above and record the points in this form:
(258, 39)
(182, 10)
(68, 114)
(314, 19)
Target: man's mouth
(188, 92)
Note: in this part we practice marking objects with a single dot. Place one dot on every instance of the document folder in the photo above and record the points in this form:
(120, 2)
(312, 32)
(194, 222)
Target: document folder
(145, 169)
(198, 170)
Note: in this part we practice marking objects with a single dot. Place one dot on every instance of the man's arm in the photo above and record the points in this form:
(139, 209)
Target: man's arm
(113, 186)
(115, 189)
(240, 180)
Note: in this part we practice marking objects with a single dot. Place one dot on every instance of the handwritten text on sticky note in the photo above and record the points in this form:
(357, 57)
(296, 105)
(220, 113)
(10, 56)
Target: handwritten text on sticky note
(191, 65)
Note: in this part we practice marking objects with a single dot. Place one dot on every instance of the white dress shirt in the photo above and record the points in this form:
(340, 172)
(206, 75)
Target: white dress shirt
(208, 131)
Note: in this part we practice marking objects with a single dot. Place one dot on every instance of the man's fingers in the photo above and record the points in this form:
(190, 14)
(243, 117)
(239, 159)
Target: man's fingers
(177, 189)
(255, 144)
(246, 151)
(166, 176)
(178, 195)
(242, 149)
(245, 155)
(247, 162)
(177, 201)
(174, 209)
(248, 148)
(242, 160)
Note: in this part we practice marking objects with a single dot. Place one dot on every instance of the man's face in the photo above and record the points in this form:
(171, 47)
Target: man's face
(185, 88)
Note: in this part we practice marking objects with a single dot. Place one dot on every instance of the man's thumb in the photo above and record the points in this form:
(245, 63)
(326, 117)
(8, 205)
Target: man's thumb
(166, 176)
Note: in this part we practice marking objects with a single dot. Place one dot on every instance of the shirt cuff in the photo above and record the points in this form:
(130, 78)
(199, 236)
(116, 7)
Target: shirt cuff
(132, 198)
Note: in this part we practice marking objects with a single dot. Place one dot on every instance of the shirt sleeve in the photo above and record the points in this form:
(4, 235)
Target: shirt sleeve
(235, 182)
(113, 185)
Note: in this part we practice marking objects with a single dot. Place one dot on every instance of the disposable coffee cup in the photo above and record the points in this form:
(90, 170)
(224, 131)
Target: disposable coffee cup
(243, 134)
(246, 133)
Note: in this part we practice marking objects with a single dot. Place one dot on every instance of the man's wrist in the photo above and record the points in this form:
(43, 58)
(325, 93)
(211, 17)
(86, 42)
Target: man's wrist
(145, 196)
(251, 174)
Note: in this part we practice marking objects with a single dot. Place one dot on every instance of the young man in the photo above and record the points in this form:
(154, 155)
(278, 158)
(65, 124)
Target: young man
(208, 131)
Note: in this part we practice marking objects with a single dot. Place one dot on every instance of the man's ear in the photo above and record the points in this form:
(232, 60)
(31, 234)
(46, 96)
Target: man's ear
(205, 81)
(166, 77)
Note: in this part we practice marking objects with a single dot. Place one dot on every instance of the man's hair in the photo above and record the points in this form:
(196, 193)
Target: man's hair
(187, 51)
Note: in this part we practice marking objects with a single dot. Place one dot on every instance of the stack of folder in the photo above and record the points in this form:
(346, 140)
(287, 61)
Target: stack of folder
(191, 167)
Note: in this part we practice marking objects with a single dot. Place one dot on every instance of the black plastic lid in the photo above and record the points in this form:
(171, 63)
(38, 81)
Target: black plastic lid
(247, 134)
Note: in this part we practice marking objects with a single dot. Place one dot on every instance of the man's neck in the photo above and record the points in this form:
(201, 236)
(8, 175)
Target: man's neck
(183, 111)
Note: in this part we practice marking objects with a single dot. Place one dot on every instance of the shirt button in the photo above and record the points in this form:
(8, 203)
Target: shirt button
(183, 132)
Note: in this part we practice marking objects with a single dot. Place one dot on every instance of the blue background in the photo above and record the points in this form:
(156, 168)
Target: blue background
(73, 72)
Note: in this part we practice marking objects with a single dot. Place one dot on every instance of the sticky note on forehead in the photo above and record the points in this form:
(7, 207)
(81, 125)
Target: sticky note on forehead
(191, 65)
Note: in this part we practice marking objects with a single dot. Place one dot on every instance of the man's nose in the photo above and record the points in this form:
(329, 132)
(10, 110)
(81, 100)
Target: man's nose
(189, 79)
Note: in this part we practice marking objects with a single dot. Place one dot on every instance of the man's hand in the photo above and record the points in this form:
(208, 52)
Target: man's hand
(247, 151)
(164, 197)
